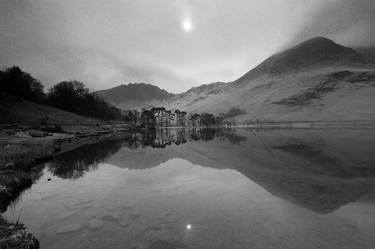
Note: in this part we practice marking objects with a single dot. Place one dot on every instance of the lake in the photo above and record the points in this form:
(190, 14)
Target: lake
(209, 188)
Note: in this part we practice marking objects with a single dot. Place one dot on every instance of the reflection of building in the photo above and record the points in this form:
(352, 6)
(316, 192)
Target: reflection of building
(180, 136)
(180, 118)
(163, 138)
(195, 120)
(219, 120)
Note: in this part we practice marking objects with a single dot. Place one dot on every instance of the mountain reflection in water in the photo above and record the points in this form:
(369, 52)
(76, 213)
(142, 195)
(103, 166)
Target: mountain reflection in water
(315, 169)
(208, 188)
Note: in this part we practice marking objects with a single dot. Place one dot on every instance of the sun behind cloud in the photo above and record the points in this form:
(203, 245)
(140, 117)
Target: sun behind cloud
(187, 25)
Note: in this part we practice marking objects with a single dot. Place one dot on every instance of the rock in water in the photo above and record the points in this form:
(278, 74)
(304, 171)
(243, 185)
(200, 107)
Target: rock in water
(95, 224)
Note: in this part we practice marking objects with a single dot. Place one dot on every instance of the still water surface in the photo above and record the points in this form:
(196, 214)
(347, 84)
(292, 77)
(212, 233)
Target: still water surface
(208, 189)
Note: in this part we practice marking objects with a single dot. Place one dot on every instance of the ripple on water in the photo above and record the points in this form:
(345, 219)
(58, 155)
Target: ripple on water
(67, 214)
(165, 244)
(69, 228)
(110, 217)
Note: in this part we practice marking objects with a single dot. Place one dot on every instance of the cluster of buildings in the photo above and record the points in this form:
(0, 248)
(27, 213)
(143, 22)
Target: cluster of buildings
(161, 117)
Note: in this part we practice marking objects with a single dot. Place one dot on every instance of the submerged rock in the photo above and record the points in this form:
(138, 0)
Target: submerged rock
(124, 221)
(109, 217)
(95, 224)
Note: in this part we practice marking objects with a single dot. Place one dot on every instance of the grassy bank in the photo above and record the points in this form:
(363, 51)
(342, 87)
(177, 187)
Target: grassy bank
(22, 148)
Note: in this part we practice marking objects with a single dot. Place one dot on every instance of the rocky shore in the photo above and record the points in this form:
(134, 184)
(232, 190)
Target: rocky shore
(23, 149)
(16, 236)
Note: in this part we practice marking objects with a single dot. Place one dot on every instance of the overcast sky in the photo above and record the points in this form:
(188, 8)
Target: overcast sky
(174, 44)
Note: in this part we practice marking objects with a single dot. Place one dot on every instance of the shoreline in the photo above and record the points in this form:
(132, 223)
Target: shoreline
(23, 149)
(16, 236)
(297, 125)
(319, 124)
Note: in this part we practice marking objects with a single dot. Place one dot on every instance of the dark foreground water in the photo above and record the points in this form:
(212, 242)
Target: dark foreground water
(208, 189)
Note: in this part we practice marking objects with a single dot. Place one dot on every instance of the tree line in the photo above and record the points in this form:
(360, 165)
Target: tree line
(161, 117)
(72, 96)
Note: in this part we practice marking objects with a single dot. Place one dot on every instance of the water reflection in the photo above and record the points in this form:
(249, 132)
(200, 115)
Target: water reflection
(75, 164)
(209, 189)
(312, 169)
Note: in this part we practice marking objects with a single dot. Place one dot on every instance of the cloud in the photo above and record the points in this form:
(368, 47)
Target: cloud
(106, 43)
(346, 21)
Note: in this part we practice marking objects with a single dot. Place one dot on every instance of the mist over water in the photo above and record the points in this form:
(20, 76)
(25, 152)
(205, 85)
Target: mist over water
(208, 188)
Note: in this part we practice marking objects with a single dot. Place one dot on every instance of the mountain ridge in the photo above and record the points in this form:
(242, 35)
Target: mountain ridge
(134, 91)
(318, 50)
(313, 52)
(315, 80)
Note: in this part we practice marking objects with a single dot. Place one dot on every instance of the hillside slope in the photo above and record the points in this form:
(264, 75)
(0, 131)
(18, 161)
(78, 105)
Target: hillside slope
(14, 110)
(315, 80)
(317, 51)
(322, 94)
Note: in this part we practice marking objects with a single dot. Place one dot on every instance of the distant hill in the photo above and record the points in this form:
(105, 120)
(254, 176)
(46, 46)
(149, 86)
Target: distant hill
(141, 95)
(315, 80)
(134, 91)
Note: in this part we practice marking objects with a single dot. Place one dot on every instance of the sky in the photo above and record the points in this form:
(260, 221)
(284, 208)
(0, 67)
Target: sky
(173, 44)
